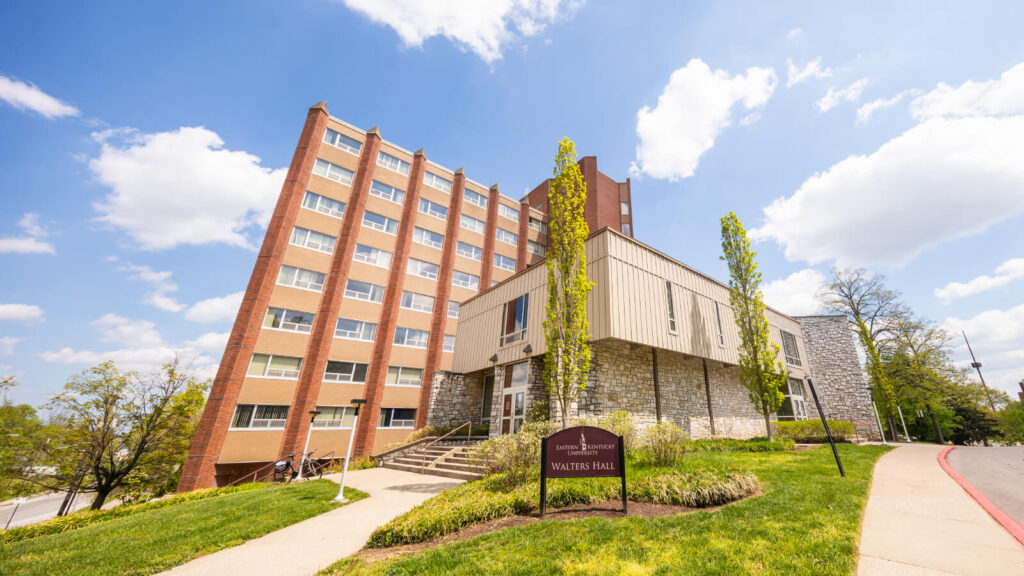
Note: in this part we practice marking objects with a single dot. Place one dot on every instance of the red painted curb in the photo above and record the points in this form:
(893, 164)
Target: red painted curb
(1004, 519)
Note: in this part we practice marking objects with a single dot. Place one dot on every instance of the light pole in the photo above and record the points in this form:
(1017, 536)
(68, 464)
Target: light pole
(977, 366)
(302, 459)
(904, 422)
(871, 391)
(340, 498)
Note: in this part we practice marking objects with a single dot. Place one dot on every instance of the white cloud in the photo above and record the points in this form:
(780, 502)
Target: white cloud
(159, 281)
(182, 187)
(1005, 273)
(215, 309)
(796, 294)
(794, 33)
(485, 28)
(695, 106)
(20, 313)
(834, 97)
(32, 243)
(997, 337)
(812, 69)
(25, 96)
(127, 332)
(865, 111)
(1001, 97)
(212, 342)
(7, 345)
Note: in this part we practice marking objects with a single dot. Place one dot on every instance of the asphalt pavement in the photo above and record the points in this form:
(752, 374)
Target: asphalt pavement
(997, 471)
(38, 508)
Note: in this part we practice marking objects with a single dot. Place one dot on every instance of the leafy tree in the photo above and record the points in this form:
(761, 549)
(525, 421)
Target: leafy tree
(760, 370)
(1011, 422)
(22, 435)
(122, 429)
(567, 362)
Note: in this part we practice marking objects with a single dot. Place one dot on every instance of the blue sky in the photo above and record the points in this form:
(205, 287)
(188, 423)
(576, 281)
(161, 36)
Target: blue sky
(142, 147)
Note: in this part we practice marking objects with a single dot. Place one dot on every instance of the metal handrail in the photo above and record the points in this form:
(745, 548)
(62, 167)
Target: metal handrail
(469, 434)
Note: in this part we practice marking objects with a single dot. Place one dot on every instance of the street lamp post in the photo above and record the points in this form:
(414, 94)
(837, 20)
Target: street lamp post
(302, 459)
(340, 498)
(871, 391)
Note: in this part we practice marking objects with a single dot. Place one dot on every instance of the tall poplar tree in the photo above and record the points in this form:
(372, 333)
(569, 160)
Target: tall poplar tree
(567, 362)
(760, 371)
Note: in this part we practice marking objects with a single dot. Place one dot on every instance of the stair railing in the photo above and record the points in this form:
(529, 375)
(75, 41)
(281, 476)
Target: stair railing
(469, 435)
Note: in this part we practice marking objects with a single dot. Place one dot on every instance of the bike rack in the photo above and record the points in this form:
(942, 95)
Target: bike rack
(469, 435)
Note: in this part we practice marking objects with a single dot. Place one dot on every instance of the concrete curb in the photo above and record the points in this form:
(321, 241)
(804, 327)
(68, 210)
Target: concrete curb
(1004, 519)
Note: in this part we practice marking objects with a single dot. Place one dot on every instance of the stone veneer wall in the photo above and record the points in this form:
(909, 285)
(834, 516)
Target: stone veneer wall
(455, 398)
(836, 372)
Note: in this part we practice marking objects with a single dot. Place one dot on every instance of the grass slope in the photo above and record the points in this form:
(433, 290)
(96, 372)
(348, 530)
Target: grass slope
(807, 522)
(152, 541)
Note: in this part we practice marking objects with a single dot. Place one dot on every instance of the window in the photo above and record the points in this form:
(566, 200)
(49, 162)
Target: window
(538, 225)
(508, 212)
(433, 209)
(507, 237)
(397, 418)
(453, 309)
(494, 283)
(793, 406)
(335, 417)
(718, 326)
(449, 343)
(378, 222)
(627, 231)
(418, 302)
(465, 280)
(301, 278)
(505, 263)
(474, 198)
(290, 320)
(470, 223)
(313, 240)
(274, 366)
(671, 307)
(515, 375)
(515, 315)
(536, 248)
(262, 416)
(624, 208)
(355, 330)
(469, 251)
(435, 181)
(790, 348)
(401, 376)
(371, 255)
(427, 238)
(364, 291)
(339, 140)
(381, 190)
(323, 205)
(333, 172)
(352, 372)
(391, 163)
(411, 337)
(421, 269)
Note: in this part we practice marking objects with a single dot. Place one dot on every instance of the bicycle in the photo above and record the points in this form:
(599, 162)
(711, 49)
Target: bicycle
(285, 471)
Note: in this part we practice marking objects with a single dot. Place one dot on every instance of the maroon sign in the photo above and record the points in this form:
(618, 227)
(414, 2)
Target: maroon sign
(581, 452)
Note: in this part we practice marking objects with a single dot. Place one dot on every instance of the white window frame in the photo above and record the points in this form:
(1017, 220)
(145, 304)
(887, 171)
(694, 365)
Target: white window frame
(507, 236)
(536, 248)
(500, 261)
(404, 339)
(718, 325)
(389, 194)
(271, 423)
(333, 172)
(538, 225)
(413, 304)
(474, 198)
(794, 359)
(472, 224)
(405, 424)
(449, 343)
(388, 223)
(302, 284)
(361, 326)
(433, 209)
(282, 324)
(342, 142)
(409, 382)
(508, 212)
(319, 199)
(426, 237)
(415, 268)
(515, 335)
(284, 374)
(335, 423)
(385, 160)
(458, 308)
(473, 282)
(670, 303)
(351, 375)
(355, 295)
(475, 252)
(374, 258)
(308, 242)
(437, 182)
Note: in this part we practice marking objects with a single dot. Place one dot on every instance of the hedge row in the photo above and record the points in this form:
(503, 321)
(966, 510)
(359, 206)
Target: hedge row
(812, 431)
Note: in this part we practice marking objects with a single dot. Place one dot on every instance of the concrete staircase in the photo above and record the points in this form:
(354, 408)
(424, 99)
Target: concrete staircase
(438, 460)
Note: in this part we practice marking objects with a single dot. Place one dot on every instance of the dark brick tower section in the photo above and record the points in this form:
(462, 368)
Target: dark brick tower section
(382, 344)
(200, 467)
(444, 290)
(490, 230)
(604, 196)
(522, 253)
(322, 334)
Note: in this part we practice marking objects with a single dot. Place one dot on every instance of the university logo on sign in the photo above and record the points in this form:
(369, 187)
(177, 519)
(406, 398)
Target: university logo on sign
(582, 452)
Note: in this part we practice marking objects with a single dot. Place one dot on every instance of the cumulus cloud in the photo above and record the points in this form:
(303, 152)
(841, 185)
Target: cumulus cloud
(182, 187)
(20, 313)
(794, 33)
(695, 106)
(1001, 97)
(485, 28)
(997, 337)
(160, 283)
(865, 111)
(33, 241)
(1005, 273)
(127, 332)
(950, 176)
(795, 75)
(834, 97)
(796, 294)
(215, 309)
(7, 344)
(27, 96)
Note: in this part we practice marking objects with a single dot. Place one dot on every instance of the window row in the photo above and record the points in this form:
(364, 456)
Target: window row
(333, 172)
(339, 140)
(274, 417)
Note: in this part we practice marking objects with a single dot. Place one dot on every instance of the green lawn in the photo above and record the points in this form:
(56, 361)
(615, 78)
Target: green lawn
(151, 541)
(807, 522)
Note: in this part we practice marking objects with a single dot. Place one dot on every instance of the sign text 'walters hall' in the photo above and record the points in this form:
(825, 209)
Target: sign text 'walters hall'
(581, 452)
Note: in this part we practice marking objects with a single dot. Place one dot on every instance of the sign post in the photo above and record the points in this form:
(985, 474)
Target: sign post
(824, 422)
(582, 452)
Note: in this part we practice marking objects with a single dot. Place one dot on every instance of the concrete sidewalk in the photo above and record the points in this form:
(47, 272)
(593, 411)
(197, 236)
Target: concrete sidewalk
(919, 522)
(309, 546)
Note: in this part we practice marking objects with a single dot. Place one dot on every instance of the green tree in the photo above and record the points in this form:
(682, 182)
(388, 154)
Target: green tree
(22, 435)
(567, 362)
(760, 370)
(1011, 422)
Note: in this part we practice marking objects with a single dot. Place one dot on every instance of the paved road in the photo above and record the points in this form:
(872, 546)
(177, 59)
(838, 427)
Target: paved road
(38, 508)
(997, 471)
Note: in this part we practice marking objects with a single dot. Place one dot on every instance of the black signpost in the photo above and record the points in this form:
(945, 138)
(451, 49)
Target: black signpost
(828, 432)
(582, 452)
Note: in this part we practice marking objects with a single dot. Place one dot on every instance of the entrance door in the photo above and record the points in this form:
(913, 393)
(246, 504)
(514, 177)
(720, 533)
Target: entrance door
(513, 406)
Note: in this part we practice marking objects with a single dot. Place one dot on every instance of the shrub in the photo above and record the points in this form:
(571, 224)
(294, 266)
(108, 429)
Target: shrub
(811, 431)
(621, 423)
(733, 445)
(662, 444)
(698, 489)
(477, 430)
(540, 411)
(514, 456)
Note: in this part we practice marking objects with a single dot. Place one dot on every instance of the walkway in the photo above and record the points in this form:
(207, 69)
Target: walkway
(997, 471)
(919, 522)
(309, 546)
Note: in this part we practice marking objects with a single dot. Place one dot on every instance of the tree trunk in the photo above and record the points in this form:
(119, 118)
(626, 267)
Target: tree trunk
(768, 425)
(892, 427)
(565, 412)
(935, 424)
(101, 496)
